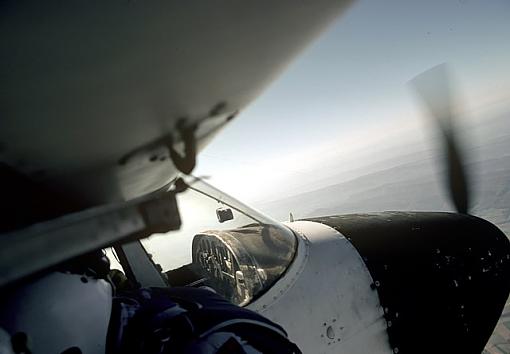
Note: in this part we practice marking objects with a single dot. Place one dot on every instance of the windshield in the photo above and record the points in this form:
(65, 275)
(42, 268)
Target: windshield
(222, 244)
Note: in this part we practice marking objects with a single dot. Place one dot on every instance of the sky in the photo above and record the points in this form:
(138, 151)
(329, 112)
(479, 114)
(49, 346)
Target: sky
(346, 98)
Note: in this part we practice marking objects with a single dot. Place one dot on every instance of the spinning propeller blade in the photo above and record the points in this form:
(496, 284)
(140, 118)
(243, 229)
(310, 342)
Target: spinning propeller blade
(434, 88)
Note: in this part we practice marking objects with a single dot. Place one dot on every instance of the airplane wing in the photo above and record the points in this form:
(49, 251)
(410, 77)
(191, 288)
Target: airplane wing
(92, 110)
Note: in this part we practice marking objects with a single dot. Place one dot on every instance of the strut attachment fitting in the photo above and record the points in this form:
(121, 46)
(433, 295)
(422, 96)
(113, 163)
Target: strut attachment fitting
(186, 162)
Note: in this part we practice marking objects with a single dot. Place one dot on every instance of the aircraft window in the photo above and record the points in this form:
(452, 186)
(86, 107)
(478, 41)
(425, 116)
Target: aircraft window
(222, 244)
(112, 257)
(117, 274)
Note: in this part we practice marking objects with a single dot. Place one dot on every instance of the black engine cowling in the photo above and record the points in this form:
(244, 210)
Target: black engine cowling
(442, 278)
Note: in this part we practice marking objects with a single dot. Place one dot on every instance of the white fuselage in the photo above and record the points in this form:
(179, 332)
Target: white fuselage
(344, 314)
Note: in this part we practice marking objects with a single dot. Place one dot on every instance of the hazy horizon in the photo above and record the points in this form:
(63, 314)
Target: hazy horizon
(345, 102)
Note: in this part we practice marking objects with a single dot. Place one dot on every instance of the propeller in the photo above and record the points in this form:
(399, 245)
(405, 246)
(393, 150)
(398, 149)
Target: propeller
(434, 88)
